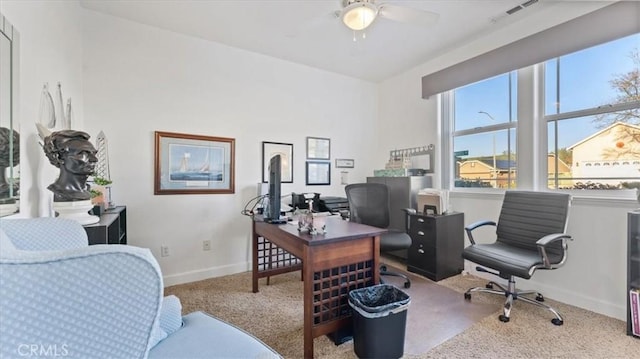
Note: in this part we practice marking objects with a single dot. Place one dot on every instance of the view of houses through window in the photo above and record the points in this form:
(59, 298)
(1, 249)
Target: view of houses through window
(591, 107)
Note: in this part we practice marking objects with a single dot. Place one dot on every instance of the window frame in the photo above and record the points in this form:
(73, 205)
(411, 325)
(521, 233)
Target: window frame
(532, 149)
(449, 177)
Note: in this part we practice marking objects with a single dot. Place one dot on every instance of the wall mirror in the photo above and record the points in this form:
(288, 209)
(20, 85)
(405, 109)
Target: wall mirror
(9, 124)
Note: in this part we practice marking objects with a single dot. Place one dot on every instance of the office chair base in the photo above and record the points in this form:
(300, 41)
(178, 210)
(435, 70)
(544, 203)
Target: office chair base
(384, 271)
(512, 294)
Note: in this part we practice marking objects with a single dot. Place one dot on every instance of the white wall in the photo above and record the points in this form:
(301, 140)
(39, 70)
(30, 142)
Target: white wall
(50, 51)
(595, 274)
(140, 79)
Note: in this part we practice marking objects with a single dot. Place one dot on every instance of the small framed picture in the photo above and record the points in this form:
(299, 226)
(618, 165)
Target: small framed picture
(285, 150)
(344, 163)
(318, 148)
(318, 173)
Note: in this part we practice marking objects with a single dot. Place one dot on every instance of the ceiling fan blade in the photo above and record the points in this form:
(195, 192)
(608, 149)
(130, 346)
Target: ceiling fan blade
(408, 15)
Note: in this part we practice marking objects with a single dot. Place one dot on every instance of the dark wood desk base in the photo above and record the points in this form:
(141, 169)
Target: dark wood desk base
(333, 264)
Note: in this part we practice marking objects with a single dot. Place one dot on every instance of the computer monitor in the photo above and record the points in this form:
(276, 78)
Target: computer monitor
(272, 212)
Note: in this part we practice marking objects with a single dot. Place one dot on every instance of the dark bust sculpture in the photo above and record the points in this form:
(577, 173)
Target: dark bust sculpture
(8, 157)
(72, 152)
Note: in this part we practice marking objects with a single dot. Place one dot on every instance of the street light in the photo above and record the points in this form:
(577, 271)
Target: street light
(495, 173)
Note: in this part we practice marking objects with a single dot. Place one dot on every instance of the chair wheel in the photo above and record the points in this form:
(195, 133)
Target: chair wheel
(503, 318)
(467, 296)
(383, 268)
(407, 285)
(539, 298)
(489, 286)
(557, 321)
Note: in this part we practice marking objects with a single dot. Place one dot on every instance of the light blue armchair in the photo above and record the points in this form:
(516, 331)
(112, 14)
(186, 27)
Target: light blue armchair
(61, 297)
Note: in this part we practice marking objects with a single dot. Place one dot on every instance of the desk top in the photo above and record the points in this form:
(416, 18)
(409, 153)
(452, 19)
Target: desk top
(337, 230)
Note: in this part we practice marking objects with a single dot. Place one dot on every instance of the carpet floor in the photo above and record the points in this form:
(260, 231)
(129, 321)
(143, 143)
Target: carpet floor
(440, 323)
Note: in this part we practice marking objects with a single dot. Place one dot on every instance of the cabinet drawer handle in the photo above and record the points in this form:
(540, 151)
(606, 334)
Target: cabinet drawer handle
(420, 233)
(421, 251)
(421, 220)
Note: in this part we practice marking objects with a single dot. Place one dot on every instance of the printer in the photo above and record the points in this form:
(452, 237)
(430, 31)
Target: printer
(333, 204)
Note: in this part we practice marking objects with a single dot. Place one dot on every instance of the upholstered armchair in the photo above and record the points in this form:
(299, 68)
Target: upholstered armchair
(59, 296)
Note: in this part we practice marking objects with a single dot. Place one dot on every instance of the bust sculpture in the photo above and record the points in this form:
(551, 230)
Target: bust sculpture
(72, 152)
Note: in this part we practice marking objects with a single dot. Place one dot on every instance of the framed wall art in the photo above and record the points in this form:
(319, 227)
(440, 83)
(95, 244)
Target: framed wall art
(344, 163)
(285, 150)
(318, 148)
(318, 173)
(193, 164)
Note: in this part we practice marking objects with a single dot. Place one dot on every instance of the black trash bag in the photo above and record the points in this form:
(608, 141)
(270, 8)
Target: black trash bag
(379, 300)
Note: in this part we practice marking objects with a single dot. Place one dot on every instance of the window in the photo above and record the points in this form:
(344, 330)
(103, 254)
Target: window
(589, 106)
(484, 133)
(592, 114)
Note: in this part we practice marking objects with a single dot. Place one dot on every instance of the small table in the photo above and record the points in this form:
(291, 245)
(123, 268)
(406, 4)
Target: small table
(111, 229)
(343, 259)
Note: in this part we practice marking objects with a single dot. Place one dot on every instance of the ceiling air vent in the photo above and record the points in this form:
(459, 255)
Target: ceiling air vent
(521, 6)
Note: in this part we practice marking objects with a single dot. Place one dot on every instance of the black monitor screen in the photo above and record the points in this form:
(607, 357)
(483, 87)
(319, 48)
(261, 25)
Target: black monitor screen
(273, 208)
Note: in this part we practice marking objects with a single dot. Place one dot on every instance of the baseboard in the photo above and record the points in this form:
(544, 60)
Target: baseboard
(202, 274)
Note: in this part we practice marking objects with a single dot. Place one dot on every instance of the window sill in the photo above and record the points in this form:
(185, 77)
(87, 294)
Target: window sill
(620, 199)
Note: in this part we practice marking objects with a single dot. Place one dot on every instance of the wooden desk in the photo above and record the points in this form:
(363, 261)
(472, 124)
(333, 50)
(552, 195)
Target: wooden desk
(344, 259)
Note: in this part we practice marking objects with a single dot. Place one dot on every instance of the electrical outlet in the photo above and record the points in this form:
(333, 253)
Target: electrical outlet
(206, 245)
(164, 251)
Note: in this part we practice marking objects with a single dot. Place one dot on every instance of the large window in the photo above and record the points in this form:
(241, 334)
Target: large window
(593, 118)
(484, 121)
(582, 118)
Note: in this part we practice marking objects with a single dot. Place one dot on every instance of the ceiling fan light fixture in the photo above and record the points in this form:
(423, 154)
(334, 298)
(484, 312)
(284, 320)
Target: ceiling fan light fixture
(359, 15)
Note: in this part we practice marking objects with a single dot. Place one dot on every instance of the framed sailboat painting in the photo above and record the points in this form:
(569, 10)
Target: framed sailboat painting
(193, 164)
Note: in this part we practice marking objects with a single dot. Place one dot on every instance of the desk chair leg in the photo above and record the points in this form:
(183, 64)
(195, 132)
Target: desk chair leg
(407, 281)
(492, 284)
(512, 294)
(557, 320)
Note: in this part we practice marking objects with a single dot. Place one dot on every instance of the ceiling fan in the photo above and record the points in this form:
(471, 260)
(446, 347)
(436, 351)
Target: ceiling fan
(357, 15)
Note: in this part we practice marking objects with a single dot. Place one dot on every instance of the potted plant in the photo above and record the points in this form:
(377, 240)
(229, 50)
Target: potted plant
(100, 192)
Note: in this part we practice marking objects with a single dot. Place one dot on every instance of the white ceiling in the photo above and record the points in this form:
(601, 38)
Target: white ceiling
(308, 32)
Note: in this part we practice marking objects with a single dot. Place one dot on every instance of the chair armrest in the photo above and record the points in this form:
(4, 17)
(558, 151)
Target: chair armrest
(171, 314)
(475, 225)
(543, 242)
(45, 233)
(96, 302)
(407, 212)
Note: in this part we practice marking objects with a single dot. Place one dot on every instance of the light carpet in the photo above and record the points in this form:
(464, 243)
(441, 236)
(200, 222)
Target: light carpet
(275, 316)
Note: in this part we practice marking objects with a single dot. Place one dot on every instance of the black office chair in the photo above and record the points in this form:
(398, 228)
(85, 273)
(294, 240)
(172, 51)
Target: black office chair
(530, 235)
(369, 204)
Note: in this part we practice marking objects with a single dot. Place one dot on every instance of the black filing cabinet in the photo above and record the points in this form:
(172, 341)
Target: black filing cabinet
(437, 243)
(111, 229)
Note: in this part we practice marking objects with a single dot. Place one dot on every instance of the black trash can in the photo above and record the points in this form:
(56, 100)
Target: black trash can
(379, 321)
